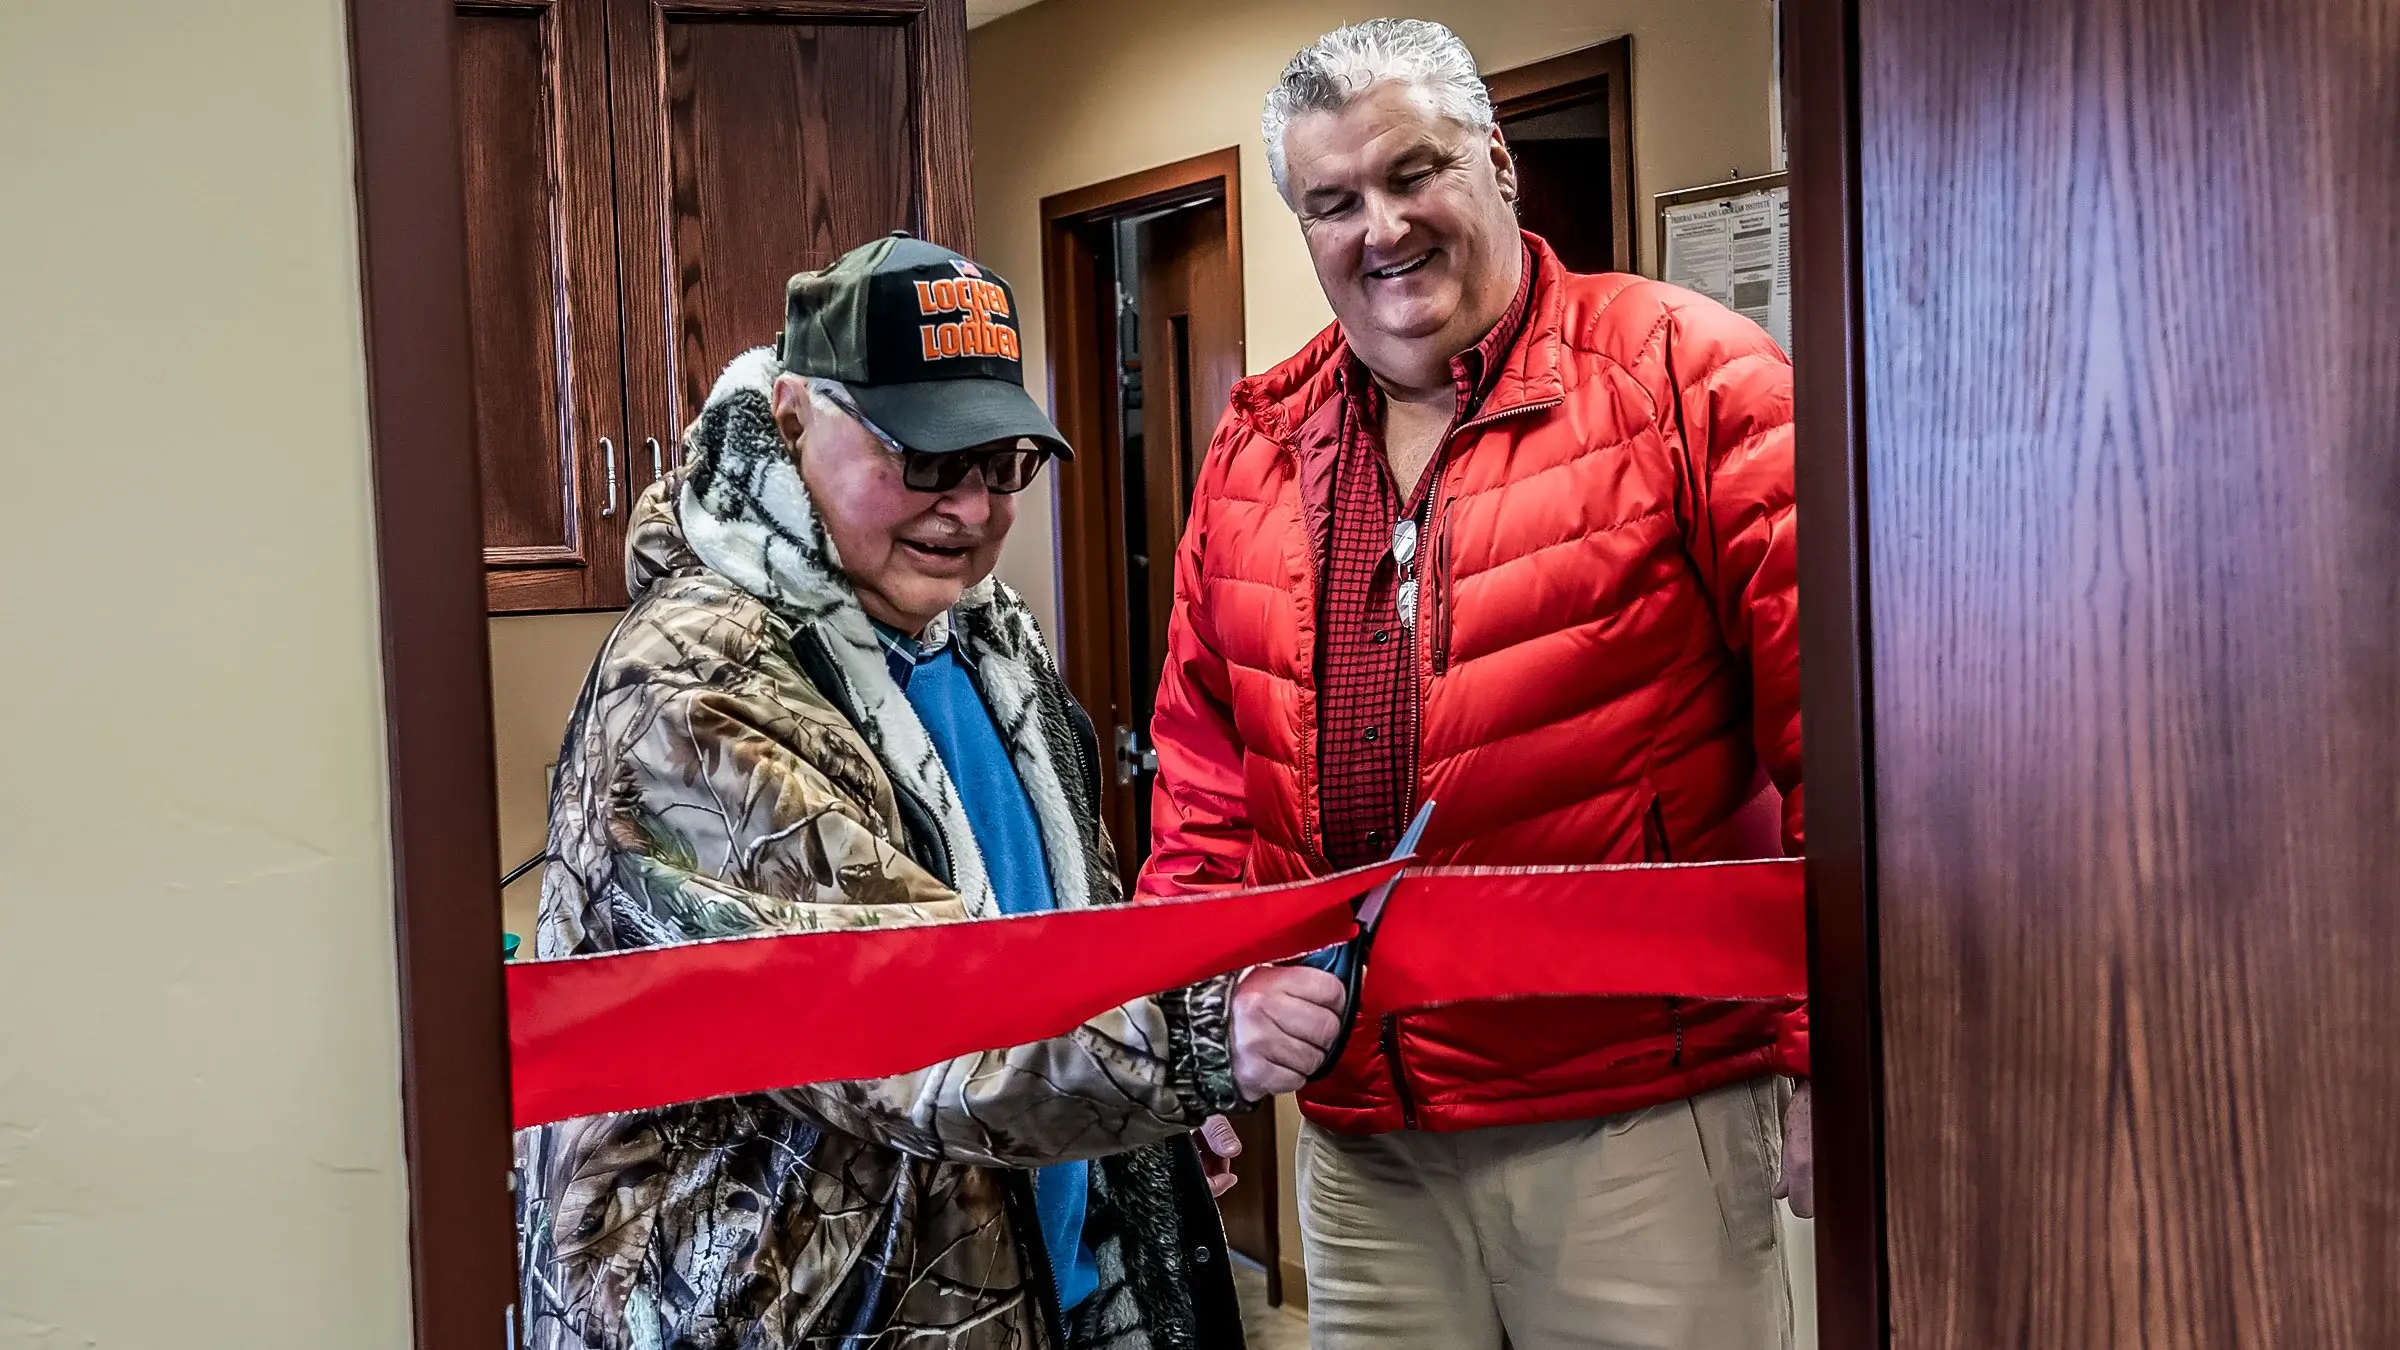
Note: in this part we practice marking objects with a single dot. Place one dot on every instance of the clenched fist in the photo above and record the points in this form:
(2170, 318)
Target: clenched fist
(1284, 1020)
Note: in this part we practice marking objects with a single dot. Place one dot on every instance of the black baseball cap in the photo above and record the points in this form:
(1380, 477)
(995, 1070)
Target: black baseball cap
(925, 340)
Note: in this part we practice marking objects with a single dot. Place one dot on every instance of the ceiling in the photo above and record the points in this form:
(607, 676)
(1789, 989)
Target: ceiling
(980, 12)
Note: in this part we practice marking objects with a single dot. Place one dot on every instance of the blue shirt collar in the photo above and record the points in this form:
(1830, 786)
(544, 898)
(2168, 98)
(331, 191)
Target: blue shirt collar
(904, 653)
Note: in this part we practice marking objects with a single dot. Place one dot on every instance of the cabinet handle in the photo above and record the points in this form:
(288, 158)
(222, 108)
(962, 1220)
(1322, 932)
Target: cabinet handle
(608, 458)
(658, 467)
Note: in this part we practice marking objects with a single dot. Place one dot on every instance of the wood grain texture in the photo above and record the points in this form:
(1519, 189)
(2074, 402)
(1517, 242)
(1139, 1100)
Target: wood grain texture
(542, 300)
(787, 145)
(436, 674)
(945, 160)
(756, 140)
(505, 97)
(2130, 275)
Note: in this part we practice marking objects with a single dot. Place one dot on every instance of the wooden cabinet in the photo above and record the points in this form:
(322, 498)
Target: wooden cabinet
(641, 178)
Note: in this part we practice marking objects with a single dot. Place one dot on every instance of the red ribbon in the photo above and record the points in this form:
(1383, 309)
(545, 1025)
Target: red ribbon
(634, 1030)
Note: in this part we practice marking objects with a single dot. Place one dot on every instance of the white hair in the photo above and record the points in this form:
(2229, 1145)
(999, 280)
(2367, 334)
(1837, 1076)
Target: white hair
(1330, 72)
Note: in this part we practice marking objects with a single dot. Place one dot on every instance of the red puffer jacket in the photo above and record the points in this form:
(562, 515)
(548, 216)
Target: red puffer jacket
(1611, 650)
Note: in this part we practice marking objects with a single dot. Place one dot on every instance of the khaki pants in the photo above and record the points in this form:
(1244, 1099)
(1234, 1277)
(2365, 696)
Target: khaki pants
(1656, 1229)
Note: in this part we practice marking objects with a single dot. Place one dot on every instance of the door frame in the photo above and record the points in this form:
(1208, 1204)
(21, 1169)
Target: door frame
(454, 1089)
(1092, 595)
(1819, 47)
(1605, 68)
(436, 672)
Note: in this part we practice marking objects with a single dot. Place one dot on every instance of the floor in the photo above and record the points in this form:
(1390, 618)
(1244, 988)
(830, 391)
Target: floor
(1266, 1328)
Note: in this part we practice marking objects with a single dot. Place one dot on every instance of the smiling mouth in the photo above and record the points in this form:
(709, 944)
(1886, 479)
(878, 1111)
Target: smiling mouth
(1398, 270)
(946, 553)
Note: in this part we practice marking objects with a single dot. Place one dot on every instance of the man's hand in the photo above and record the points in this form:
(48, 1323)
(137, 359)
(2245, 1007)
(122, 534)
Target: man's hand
(1219, 1146)
(1284, 1020)
(1798, 1183)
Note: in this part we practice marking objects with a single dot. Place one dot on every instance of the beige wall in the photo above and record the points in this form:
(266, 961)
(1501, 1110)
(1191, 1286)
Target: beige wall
(199, 1077)
(1074, 92)
(538, 665)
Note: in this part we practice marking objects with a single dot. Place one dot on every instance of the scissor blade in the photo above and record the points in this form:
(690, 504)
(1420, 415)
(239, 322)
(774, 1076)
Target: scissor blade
(1370, 911)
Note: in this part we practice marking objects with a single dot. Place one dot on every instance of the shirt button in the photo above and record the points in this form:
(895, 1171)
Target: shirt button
(1373, 732)
(1382, 636)
(1375, 836)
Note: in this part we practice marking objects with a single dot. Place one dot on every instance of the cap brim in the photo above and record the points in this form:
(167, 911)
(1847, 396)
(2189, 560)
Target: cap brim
(940, 417)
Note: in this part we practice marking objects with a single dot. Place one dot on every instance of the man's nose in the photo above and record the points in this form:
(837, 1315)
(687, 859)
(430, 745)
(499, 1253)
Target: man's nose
(970, 503)
(1386, 224)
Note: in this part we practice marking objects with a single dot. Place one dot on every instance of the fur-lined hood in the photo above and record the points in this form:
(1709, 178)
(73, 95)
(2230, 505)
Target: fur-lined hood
(739, 509)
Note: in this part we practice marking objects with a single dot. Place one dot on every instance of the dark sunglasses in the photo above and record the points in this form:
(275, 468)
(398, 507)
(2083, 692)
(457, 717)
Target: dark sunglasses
(1005, 469)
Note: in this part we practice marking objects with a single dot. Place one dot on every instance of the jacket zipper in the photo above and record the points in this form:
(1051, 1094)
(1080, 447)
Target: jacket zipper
(1441, 591)
(1428, 579)
(1391, 1056)
(1025, 1218)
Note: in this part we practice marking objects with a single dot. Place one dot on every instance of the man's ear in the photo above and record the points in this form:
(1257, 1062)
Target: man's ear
(1504, 167)
(792, 407)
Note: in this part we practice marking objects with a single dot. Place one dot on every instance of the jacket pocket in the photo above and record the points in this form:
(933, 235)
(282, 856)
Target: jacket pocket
(1656, 848)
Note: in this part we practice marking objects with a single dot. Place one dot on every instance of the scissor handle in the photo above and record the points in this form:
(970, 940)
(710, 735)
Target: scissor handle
(1351, 965)
(1350, 959)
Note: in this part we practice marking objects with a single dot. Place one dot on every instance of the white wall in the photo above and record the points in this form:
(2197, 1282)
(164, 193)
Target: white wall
(199, 1075)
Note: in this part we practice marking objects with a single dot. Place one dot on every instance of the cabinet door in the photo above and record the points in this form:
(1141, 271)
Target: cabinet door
(542, 296)
(759, 138)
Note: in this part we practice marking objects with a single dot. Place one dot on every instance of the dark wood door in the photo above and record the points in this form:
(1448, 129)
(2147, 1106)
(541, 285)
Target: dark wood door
(2131, 370)
(1188, 357)
(1177, 375)
(1563, 189)
(756, 139)
(1569, 124)
(542, 297)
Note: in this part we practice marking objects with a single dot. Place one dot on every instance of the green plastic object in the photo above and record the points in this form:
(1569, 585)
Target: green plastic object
(508, 946)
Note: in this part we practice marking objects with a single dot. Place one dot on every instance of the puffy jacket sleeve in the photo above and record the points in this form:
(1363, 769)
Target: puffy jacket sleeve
(1731, 404)
(1199, 813)
(720, 824)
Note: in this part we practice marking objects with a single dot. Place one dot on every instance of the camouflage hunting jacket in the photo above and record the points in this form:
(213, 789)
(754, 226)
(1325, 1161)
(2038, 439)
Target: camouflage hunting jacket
(742, 761)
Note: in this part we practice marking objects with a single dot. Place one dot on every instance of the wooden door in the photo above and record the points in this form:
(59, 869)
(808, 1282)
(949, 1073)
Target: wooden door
(542, 302)
(1181, 371)
(1569, 125)
(1189, 356)
(756, 139)
(2132, 508)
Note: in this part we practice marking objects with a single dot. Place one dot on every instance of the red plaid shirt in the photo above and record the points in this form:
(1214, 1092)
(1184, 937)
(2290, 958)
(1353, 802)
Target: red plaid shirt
(1366, 669)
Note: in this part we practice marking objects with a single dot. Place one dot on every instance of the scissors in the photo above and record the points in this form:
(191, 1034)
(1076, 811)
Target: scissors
(1349, 960)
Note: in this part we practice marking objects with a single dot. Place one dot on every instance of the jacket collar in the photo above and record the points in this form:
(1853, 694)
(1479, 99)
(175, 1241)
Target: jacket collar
(1287, 403)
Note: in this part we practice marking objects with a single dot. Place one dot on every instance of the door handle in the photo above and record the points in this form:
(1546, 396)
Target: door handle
(1133, 758)
(608, 461)
(658, 466)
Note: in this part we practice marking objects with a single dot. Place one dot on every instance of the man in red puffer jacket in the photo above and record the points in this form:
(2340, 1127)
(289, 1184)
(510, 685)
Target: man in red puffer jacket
(1519, 541)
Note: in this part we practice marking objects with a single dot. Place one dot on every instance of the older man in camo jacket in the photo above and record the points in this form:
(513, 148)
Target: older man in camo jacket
(820, 712)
